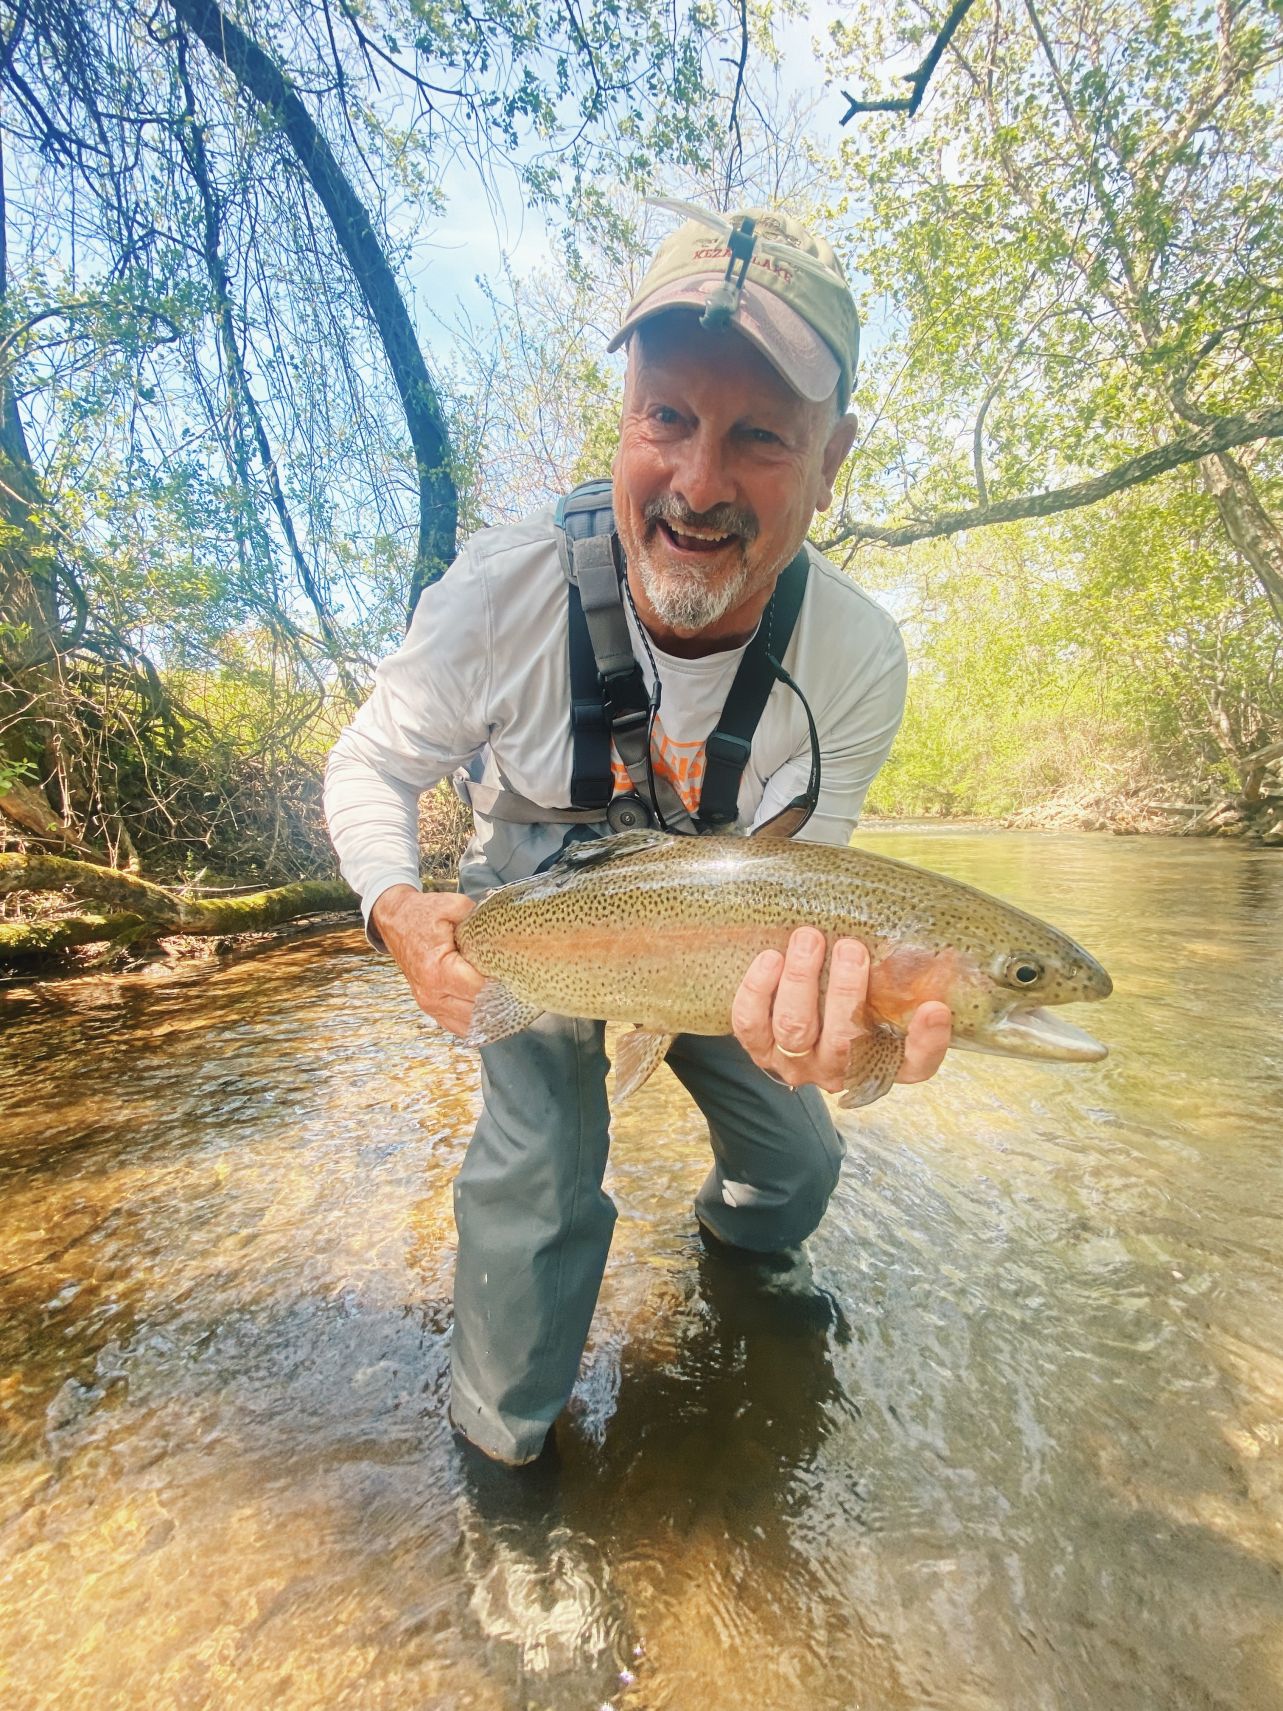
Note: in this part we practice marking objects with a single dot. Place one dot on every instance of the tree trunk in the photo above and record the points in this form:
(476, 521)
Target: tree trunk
(1251, 529)
(144, 912)
(260, 76)
(29, 628)
(138, 912)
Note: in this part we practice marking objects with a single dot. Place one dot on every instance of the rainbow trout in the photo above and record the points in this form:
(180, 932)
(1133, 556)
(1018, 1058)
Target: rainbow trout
(659, 931)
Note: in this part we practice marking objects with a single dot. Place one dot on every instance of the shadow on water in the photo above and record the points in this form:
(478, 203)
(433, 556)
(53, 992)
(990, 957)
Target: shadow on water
(1007, 1438)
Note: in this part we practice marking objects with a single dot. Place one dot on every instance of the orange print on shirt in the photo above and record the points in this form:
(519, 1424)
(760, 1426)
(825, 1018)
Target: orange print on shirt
(682, 764)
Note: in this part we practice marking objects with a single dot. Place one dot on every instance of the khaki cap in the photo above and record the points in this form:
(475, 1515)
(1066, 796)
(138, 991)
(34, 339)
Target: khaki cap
(795, 306)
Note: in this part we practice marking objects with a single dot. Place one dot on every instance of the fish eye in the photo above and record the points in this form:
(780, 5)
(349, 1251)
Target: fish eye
(1023, 971)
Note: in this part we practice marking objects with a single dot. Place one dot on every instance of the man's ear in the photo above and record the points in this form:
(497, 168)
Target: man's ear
(840, 441)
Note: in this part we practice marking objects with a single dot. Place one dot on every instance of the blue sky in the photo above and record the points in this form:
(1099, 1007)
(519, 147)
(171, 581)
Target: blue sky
(479, 236)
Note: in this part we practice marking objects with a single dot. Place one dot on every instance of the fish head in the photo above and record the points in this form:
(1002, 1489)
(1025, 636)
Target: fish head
(1003, 975)
(1017, 988)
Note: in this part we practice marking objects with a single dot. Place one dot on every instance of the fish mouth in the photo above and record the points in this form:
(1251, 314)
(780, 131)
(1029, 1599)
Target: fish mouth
(1035, 1033)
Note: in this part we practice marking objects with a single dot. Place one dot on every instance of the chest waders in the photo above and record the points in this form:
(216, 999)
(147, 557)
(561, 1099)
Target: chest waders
(611, 706)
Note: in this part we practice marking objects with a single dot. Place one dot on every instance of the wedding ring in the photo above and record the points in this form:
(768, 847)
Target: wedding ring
(785, 1052)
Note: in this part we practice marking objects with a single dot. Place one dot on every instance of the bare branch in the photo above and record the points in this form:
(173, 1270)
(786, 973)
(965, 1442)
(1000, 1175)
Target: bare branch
(262, 78)
(735, 153)
(919, 79)
(192, 143)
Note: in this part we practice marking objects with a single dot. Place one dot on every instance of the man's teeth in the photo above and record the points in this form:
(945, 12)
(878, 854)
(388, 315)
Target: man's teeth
(697, 534)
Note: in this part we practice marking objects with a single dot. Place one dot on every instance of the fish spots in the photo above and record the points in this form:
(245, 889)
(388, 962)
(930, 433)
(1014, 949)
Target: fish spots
(659, 929)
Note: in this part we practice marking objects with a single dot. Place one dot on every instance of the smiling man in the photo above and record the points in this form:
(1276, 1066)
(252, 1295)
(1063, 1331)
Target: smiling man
(694, 665)
(721, 466)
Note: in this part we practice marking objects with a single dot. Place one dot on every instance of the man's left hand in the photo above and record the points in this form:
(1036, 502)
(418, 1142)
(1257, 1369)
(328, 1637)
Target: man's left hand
(778, 1006)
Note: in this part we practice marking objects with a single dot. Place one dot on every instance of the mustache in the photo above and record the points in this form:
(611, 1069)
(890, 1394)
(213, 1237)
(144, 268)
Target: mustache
(720, 520)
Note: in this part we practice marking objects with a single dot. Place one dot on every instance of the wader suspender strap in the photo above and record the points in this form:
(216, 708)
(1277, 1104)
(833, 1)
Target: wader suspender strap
(727, 749)
(603, 670)
(592, 779)
(583, 515)
(608, 698)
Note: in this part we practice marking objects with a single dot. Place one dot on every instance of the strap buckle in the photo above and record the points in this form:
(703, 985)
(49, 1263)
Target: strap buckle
(628, 720)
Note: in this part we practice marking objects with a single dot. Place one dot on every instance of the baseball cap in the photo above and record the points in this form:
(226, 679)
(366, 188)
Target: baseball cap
(795, 306)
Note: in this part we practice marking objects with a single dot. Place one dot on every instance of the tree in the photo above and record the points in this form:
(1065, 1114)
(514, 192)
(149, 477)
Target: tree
(539, 399)
(215, 452)
(1080, 242)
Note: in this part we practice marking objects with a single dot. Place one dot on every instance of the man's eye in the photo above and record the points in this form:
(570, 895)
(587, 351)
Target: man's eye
(665, 415)
(763, 437)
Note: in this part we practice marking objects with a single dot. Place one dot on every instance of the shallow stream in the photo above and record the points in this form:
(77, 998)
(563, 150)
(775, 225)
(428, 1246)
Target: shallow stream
(1014, 1442)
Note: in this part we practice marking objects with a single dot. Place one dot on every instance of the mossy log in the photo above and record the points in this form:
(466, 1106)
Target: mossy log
(146, 911)
(65, 933)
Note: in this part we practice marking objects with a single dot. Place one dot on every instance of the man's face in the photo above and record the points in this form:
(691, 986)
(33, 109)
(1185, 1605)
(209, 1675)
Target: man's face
(720, 468)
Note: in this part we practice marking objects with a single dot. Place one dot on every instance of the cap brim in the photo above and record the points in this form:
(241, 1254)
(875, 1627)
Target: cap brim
(793, 347)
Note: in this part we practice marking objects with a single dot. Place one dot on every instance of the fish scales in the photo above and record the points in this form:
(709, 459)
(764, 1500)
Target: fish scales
(660, 930)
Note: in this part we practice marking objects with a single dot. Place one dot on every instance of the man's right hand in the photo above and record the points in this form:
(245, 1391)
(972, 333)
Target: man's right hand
(418, 929)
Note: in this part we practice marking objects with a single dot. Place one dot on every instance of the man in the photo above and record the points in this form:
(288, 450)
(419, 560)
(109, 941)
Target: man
(740, 364)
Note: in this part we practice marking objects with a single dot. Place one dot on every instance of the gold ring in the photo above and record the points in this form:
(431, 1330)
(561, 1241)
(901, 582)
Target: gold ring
(785, 1052)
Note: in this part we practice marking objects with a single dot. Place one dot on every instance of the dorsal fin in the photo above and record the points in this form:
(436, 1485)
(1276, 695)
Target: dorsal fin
(592, 851)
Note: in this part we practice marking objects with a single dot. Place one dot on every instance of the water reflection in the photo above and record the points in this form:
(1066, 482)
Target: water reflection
(1010, 1439)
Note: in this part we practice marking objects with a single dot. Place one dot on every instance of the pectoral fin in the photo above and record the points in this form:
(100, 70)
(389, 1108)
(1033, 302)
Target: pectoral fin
(497, 1013)
(637, 1054)
(875, 1062)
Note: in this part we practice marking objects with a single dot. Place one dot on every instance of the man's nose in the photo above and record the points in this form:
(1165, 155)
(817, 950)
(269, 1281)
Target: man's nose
(702, 477)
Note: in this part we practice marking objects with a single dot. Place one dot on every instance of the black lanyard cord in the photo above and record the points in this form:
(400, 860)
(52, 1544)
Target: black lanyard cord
(656, 690)
(812, 796)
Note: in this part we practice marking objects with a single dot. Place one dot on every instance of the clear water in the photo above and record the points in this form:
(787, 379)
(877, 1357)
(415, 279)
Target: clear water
(1013, 1441)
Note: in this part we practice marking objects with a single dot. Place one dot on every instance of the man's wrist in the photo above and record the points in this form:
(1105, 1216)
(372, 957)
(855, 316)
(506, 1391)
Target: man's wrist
(389, 908)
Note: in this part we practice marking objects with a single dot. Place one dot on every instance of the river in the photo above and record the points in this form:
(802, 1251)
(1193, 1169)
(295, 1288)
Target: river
(1010, 1441)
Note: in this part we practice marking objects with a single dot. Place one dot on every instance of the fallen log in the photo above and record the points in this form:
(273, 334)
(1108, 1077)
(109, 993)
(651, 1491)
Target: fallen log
(1212, 818)
(143, 911)
(63, 933)
(1254, 769)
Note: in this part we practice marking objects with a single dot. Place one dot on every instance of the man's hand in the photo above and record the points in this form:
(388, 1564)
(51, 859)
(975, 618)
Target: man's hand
(418, 928)
(778, 1006)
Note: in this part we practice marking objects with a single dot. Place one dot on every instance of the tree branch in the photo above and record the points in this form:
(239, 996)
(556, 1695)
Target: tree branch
(1225, 433)
(920, 78)
(262, 78)
(192, 144)
(735, 135)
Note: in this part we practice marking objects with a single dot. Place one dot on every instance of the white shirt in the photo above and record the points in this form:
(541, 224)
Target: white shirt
(483, 671)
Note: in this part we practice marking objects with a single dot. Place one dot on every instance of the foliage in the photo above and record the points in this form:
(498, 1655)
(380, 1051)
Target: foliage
(1123, 654)
(218, 498)
(1074, 251)
(210, 498)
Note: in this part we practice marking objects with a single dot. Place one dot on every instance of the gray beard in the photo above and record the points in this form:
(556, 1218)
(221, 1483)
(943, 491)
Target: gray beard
(686, 602)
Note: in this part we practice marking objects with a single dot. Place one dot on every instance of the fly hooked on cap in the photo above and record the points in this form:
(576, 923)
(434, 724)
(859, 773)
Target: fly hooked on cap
(725, 300)
(760, 273)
